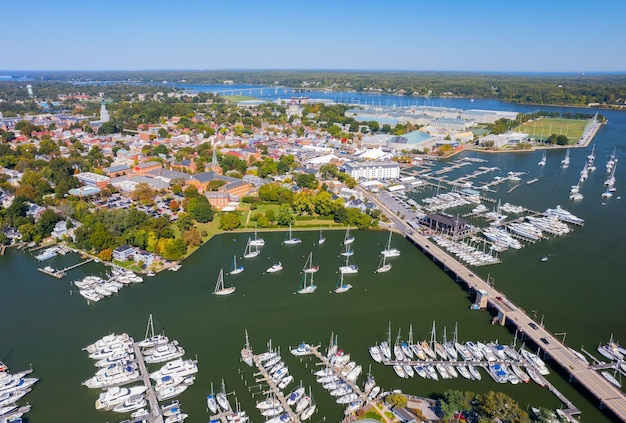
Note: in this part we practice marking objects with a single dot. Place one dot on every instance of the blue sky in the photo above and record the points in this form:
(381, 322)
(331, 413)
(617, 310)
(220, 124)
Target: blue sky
(485, 35)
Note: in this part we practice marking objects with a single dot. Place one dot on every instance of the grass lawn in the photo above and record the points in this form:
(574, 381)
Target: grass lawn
(544, 127)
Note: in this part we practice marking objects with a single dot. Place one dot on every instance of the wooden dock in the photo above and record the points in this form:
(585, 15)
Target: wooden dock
(274, 388)
(155, 410)
(59, 274)
(606, 394)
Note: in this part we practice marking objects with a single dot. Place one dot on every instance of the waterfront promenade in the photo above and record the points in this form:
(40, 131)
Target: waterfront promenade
(608, 395)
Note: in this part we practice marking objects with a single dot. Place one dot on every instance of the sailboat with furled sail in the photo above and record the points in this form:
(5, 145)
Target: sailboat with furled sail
(236, 269)
(306, 284)
(348, 239)
(383, 266)
(257, 242)
(309, 267)
(341, 286)
(219, 286)
(322, 238)
(390, 252)
(251, 250)
(290, 240)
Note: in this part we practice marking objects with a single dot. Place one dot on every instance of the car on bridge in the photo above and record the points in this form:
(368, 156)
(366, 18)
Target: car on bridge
(533, 325)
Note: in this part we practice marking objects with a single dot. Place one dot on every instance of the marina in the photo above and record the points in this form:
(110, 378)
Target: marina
(508, 313)
(122, 361)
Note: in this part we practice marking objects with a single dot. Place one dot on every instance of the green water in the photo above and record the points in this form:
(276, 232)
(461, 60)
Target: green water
(580, 291)
(44, 325)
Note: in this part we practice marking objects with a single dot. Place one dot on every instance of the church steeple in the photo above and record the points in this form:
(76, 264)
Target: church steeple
(215, 166)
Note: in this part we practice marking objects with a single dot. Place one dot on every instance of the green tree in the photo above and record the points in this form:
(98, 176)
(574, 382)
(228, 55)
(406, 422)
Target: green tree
(46, 222)
(323, 203)
(230, 221)
(494, 405)
(306, 180)
(285, 215)
(200, 209)
(302, 203)
(175, 249)
(270, 215)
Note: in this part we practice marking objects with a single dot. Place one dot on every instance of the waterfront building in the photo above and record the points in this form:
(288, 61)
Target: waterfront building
(503, 140)
(381, 171)
(454, 226)
(123, 252)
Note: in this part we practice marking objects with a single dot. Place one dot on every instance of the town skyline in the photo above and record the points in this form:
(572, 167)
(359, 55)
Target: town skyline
(491, 36)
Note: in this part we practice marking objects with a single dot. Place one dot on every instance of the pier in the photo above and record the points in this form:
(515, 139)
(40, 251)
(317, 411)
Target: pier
(337, 372)
(155, 410)
(274, 388)
(62, 272)
(605, 393)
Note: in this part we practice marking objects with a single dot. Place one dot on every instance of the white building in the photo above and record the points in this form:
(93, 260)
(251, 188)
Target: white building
(380, 170)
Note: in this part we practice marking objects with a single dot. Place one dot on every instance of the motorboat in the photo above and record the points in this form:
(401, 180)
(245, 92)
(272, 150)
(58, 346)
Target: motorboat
(130, 404)
(117, 395)
(170, 392)
(178, 367)
(108, 340)
(302, 349)
(275, 267)
(164, 353)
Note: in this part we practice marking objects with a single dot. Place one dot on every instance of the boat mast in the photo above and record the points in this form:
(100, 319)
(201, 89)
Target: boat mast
(149, 328)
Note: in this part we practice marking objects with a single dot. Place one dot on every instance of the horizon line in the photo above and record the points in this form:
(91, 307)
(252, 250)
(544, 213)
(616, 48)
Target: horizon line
(349, 70)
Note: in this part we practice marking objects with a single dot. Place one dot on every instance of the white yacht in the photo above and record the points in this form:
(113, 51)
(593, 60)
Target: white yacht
(178, 367)
(117, 395)
(542, 162)
(164, 353)
(275, 267)
(133, 403)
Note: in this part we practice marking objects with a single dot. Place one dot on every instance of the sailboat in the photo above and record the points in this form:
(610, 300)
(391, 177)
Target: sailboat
(211, 402)
(348, 239)
(390, 252)
(610, 181)
(306, 284)
(348, 251)
(565, 161)
(383, 267)
(348, 268)
(322, 238)
(219, 286)
(235, 269)
(342, 287)
(251, 250)
(257, 242)
(542, 162)
(246, 352)
(308, 266)
(291, 240)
